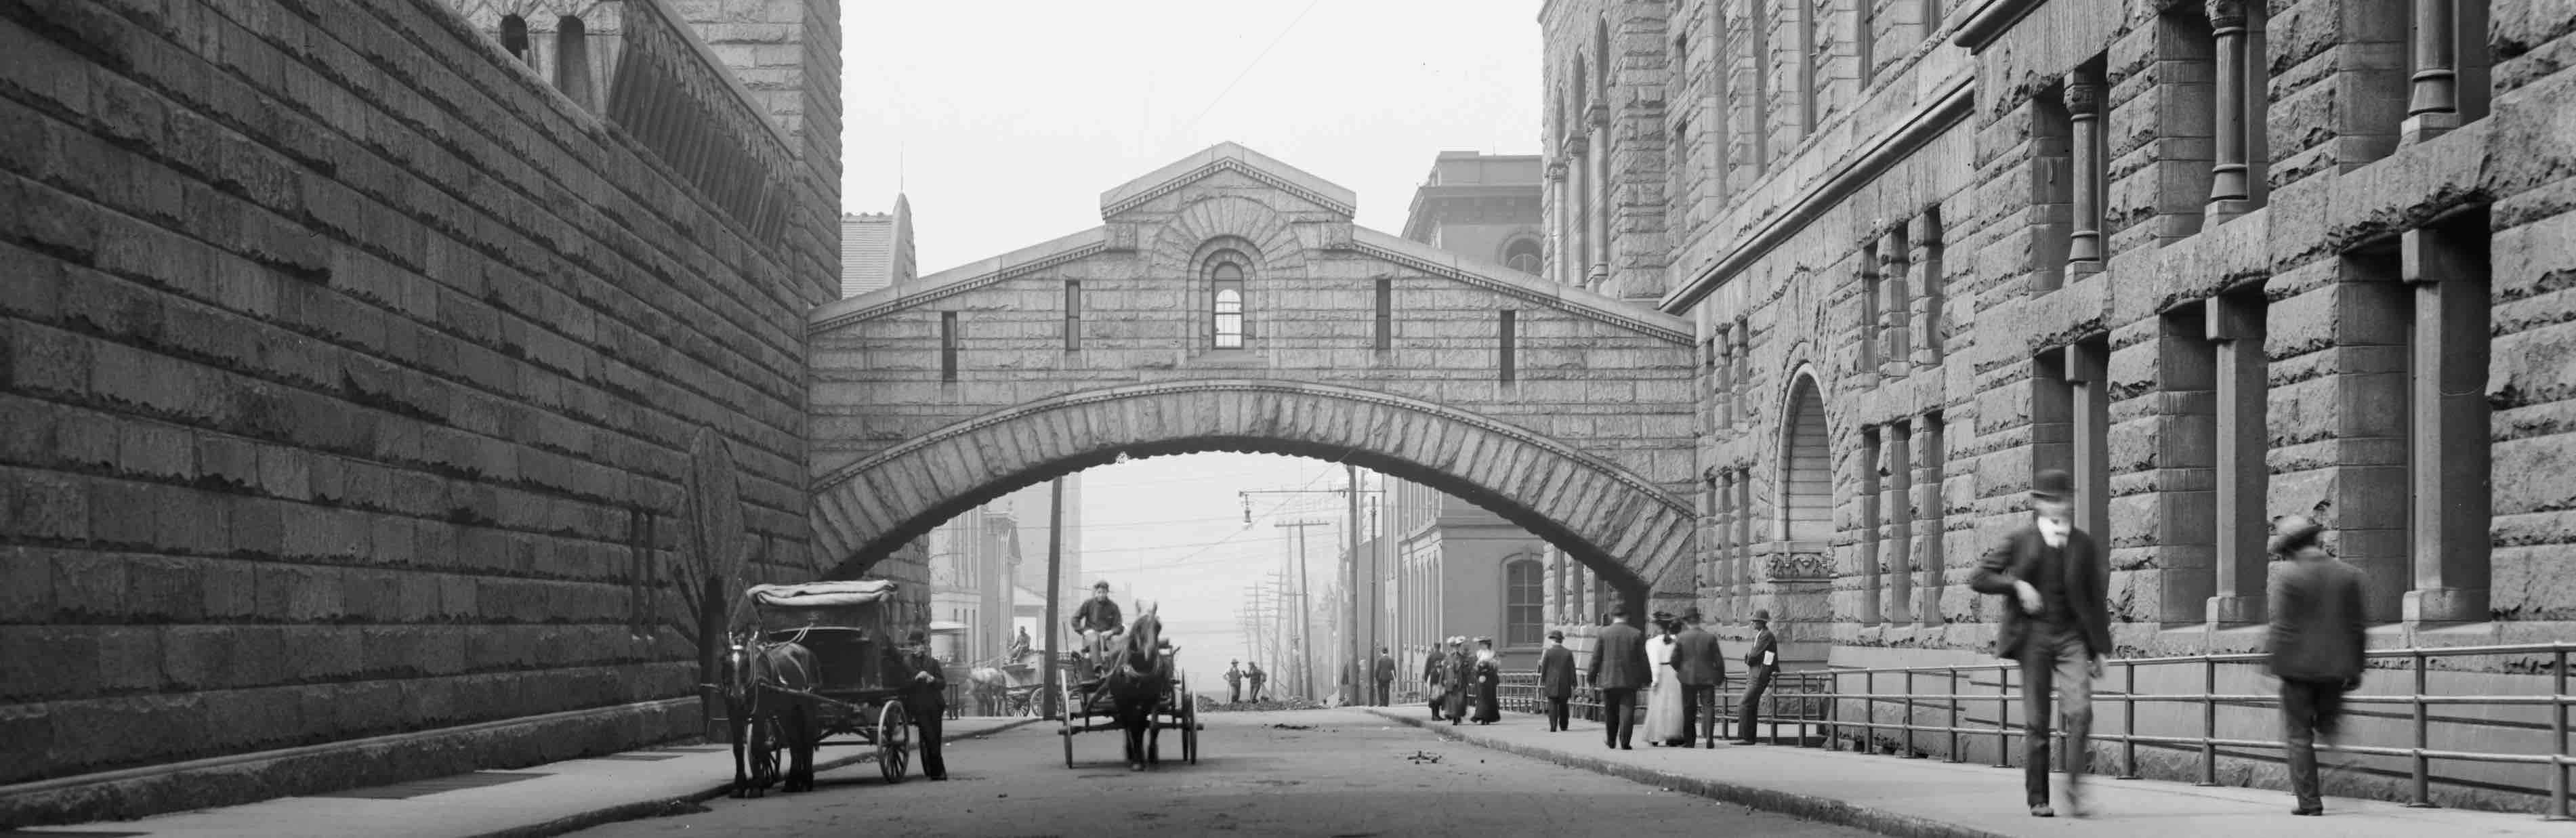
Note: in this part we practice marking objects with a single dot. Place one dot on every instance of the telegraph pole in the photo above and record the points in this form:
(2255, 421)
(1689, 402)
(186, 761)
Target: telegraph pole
(1305, 607)
(1055, 591)
(1358, 666)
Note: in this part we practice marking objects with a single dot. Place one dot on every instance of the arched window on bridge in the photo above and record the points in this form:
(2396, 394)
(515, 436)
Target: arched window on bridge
(514, 36)
(1225, 287)
(1523, 255)
(1524, 602)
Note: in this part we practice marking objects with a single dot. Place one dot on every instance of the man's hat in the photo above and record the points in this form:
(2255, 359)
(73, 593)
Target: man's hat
(1101, 585)
(1762, 615)
(2052, 485)
(1485, 640)
(1554, 634)
(1663, 616)
(1236, 660)
(2294, 532)
(917, 636)
(1618, 607)
(1691, 614)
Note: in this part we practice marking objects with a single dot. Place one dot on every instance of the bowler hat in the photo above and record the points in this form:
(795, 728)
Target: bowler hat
(1101, 585)
(2295, 532)
(916, 636)
(1762, 615)
(1554, 634)
(1691, 614)
(2053, 484)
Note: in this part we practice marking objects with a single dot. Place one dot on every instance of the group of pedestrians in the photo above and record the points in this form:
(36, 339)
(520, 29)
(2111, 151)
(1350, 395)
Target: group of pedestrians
(1463, 683)
(1680, 669)
(1236, 677)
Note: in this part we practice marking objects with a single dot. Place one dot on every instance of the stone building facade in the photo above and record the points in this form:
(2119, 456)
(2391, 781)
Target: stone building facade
(363, 384)
(876, 249)
(2221, 261)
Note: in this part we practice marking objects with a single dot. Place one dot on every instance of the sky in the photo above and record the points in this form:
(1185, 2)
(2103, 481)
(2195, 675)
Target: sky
(1004, 121)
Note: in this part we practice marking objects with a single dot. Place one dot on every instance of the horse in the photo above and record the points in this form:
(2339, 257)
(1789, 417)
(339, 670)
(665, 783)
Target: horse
(756, 714)
(1139, 679)
(988, 685)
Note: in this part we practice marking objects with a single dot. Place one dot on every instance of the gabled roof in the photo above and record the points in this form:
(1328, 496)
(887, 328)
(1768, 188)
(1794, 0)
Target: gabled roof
(1228, 156)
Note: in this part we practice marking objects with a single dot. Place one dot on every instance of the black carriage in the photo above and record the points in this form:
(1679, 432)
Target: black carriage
(857, 688)
(1089, 707)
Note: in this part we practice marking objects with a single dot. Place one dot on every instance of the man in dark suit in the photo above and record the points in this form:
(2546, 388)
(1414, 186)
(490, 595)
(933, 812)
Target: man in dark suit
(2316, 645)
(1701, 667)
(1619, 666)
(925, 699)
(1760, 663)
(2056, 584)
(1556, 679)
(1435, 680)
(1383, 672)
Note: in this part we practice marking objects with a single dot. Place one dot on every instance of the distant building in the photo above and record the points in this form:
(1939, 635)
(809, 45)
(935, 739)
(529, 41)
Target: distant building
(1458, 569)
(988, 565)
(876, 249)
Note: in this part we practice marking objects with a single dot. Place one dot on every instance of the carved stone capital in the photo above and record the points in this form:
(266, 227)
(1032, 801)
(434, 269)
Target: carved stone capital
(2226, 14)
(1597, 116)
(1556, 170)
(1578, 144)
(2083, 95)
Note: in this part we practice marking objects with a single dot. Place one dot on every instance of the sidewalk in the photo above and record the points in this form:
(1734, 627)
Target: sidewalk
(1915, 798)
(532, 802)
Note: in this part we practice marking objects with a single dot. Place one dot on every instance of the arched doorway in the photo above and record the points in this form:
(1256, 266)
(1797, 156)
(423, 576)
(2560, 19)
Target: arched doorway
(1806, 470)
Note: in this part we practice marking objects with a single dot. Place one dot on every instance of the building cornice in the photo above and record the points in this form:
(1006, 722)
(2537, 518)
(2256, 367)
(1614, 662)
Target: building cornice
(1569, 299)
(1946, 110)
(955, 281)
(1990, 20)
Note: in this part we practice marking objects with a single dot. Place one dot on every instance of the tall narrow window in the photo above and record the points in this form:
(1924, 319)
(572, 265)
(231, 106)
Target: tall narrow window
(1899, 553)
(1524, 603)
(1934, 302)
(1759, 31)
(1510, 346)
(2236, 331)
(1385, 314)
(514, 36)
(1931, 17)
(948, 346)
(572, 60)
(1873, 319)
(1864, 38)
(2051, 211)
(2449, 454)
(1873, 521)
(1894, 265)
(1072, 314)
(2089, 394)
(1935, 461)
(2186, 50)
(2186, 473)
(1225, 285)
(2374, 318)
(1808, 76)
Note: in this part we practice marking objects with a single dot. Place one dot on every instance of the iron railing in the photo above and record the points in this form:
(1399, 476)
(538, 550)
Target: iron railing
(1789, 701)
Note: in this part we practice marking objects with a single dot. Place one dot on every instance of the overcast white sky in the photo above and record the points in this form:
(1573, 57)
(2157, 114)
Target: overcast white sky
(1004, 121)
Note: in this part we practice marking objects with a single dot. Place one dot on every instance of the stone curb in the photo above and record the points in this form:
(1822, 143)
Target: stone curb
(1810, 807)
(654, 808)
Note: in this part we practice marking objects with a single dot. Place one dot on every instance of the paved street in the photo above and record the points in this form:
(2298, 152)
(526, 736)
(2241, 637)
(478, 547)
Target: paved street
(1339, 773)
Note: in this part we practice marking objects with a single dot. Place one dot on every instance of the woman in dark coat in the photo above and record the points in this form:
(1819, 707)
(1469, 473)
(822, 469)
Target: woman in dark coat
(1461, 675)
(1489, 678)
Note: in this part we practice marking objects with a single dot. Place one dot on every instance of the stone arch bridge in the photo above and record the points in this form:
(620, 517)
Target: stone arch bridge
(1228, 303)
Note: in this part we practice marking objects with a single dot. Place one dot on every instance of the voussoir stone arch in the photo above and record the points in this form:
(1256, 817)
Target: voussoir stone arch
(1630, 529)
(1185, 239)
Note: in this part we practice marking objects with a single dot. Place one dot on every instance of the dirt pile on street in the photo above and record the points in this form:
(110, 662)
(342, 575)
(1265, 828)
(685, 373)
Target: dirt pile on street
(1211, 705)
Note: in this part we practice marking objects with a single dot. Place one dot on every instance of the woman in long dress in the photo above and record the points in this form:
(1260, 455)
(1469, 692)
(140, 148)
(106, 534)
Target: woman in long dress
(1489, 677)
(1664, 703)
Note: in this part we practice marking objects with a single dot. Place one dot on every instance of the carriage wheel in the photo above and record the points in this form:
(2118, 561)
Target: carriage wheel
(1190, 732)
(894, 741)
(767, 750)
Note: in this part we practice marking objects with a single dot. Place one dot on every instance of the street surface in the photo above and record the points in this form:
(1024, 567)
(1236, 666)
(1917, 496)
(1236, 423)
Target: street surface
(1346, 774)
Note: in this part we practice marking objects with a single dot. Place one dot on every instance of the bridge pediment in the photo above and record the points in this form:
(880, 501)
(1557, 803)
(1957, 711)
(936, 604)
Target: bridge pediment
(1233, 167)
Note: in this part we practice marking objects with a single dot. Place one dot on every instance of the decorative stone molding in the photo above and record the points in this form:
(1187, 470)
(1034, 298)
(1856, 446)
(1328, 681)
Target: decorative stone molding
(1799, 567)
(1228, 164)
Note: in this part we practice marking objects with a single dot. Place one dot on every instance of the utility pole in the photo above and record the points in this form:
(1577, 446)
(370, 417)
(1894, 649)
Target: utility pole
(1358, 665)
(1055, 592)
(1305, 606)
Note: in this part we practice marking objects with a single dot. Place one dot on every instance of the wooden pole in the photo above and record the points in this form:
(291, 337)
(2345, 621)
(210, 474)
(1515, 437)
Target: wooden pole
(1054, 595)
(1357, 669)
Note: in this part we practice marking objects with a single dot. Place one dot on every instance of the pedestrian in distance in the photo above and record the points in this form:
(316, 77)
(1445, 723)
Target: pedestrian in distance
(1617, 669)
(2056, 585)
(1255, 678)
(1489, 681)
(925, 699)
(1702, 666)
(1666, 725)
(1556, 680)
(1461, 672)
(1435, 680)
(1760, 663)
(1234, 682)
(1383, 672)
(2316, 648)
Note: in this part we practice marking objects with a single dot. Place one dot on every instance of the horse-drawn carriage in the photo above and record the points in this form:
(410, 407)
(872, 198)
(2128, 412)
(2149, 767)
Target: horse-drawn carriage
(817, 660)
(1135, 690)
(1006, 687)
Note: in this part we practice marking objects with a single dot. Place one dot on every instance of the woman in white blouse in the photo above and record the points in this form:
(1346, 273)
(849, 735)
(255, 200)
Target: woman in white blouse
(1664, 702)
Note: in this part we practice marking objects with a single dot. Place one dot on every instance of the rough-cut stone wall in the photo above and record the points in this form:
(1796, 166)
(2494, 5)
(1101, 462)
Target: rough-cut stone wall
(341, 359)
(1627, 71)
(1606, 379)
(2362, 243)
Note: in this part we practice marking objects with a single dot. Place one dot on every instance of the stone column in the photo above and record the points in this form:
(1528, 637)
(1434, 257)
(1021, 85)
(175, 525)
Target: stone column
(2449, 449)
(1900, 514)
(1578, 219)
(1604, 190)
(1725, 570)
(2084, 115)
(2228, 186)
(2433, 106)
(1560, 239)
(2235, 324)
(1872, 463)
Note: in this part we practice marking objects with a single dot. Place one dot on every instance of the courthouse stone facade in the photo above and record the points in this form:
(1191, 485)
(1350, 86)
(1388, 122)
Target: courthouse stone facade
(360, 382)
(2222, 261)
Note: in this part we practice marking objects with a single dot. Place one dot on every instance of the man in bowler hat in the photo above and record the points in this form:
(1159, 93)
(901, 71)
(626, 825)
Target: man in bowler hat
(925, 699)
(1701, 667)
(1619, 666)
(1556, 679)
(2316, 645)
(1760, 663)
(2056, 584)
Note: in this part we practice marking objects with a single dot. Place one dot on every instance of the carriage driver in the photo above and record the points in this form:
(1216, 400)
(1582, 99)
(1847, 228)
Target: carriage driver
(1098, 623)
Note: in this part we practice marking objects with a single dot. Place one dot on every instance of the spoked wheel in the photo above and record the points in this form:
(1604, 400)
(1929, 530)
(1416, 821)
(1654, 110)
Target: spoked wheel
(767, 750)
(1190, 732)
(894, 741)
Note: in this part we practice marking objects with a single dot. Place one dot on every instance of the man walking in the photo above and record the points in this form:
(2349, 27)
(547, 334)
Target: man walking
(1701, 667)
(1618, 668)
(2056, 584)
(1256, 676)
(2316, 647)
(925, 699)
(1383, 672)
(1435, 680)
(1234, 682)
(1556, 679)
(1760, 663)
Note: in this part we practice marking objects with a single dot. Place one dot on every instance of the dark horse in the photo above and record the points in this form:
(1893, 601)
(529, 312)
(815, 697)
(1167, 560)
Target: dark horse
(1140, 679)
(764, 718)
